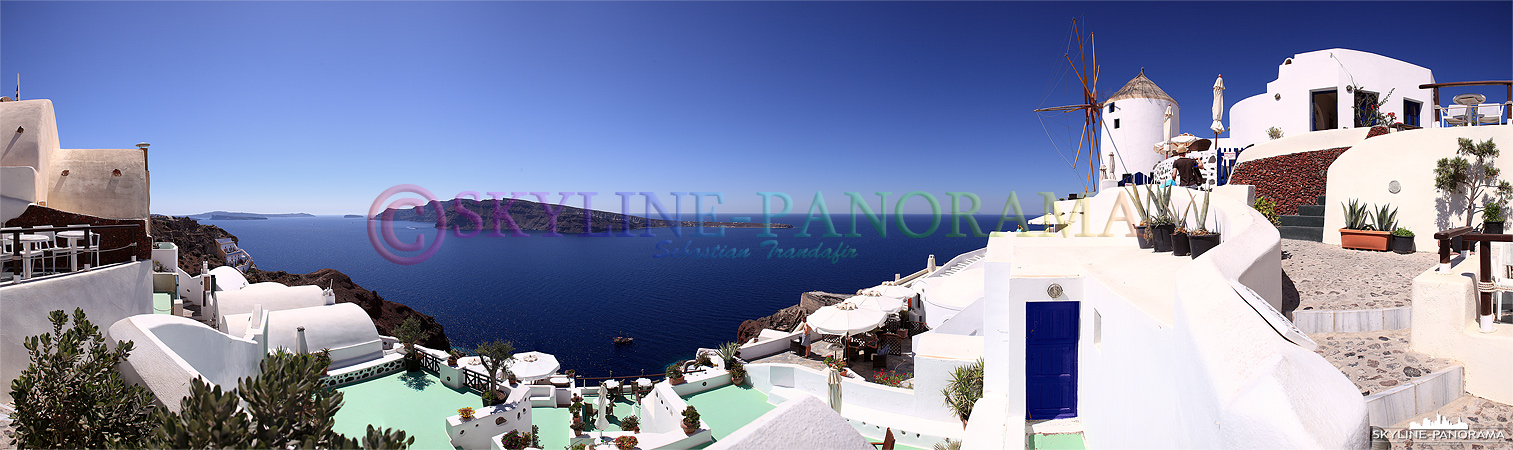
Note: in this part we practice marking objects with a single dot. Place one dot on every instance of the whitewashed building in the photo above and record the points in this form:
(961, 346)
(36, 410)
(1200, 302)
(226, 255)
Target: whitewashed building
(1316, 91)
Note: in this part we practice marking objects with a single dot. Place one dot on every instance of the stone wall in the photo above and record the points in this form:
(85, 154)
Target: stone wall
(787, 318)
(116, 244)
(1289, 180)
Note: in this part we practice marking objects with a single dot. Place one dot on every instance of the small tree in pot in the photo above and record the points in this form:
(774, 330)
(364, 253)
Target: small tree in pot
(674, 374)
(411, 332)
(1492, 218)
(690, 420)
(496, 355)
(1476, 178)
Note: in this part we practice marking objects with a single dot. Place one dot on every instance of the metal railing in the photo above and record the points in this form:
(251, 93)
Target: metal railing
(89, 245)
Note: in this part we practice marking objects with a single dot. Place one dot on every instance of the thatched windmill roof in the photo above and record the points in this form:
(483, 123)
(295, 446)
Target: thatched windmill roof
(1140, 87)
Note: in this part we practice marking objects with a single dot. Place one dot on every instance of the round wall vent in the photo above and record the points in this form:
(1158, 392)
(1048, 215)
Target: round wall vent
(1277, 96)
(1054, 290)
(1394, 187)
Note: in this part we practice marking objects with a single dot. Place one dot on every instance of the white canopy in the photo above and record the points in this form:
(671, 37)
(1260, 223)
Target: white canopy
(1218, 125)
(534, 365)
(845, 319)
(889, 290)
(888, 305)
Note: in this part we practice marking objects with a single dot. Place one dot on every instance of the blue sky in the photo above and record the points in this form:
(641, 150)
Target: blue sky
(319, 107)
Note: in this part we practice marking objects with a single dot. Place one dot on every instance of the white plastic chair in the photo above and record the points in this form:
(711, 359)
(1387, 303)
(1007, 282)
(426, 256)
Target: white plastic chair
(1489, 114)
(1454, 116)
(33, 252)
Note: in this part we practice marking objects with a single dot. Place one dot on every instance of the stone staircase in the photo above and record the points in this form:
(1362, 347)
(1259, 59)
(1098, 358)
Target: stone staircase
(1307, 224)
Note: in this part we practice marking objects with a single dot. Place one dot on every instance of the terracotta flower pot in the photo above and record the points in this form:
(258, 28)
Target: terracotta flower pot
(687, 430)
(676, 381)
(1364, 239)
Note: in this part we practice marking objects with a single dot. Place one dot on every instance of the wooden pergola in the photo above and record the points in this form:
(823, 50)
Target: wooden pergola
(1507, 84)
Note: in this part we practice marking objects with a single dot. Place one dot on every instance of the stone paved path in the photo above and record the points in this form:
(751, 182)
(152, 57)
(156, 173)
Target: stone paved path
(1329, 277)
(1376, 360)
(1481, 414)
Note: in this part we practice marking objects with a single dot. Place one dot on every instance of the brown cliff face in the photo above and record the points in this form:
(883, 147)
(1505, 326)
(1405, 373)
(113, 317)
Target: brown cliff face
(788, 318)
(196, 244)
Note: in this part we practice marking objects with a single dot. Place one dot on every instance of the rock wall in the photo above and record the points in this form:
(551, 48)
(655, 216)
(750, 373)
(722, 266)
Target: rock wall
(788, 318)
(196, 243)
(1289, 180)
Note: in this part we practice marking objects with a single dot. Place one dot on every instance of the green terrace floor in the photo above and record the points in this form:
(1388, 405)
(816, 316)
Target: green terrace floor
(415, 402)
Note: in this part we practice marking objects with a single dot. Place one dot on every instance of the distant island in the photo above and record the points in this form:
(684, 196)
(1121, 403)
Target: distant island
(531, 216)
(353, 216)
(227, 215)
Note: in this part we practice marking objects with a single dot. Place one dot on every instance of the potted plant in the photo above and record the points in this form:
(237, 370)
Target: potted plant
(495, 356)
(625, 442)
(1476, 178)
(1201, 239)
(1140, 209)
(703, 361)
(1180, 245)
(690, 421)
(515, 440)
(411, 332)
(1402, 241)
(1161, 224)
(838, 364)
(1357, 233)
(631, 424)
(578, 427)
(452, 357)
(466, 412)
(738, 374)
(323, 357)
(674, 374)
(1492, 218)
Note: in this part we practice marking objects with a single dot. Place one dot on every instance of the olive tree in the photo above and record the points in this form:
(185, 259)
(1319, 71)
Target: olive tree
(1476, 178)
(497, 356)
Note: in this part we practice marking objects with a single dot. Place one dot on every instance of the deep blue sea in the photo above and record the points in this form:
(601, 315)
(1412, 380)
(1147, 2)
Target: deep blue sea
(571, 295)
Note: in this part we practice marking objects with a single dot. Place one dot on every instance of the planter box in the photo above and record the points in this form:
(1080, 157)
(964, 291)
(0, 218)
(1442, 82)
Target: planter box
(1364, 239)
(1202, 243)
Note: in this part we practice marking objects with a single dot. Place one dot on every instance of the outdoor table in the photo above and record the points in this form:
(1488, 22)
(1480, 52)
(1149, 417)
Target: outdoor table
(560, 381)
(29, 243)
(73, 256)
(1470, 101)
(642, 383)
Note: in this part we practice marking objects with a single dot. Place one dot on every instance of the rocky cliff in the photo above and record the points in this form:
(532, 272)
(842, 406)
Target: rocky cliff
(196, 244)
(787, 319)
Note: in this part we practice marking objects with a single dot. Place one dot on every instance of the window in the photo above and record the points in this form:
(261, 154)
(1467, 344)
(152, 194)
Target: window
(1412, 110)
(1110, 107)
(1116, 123)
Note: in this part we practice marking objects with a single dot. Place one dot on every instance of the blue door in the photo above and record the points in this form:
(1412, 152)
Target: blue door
(1051, 360)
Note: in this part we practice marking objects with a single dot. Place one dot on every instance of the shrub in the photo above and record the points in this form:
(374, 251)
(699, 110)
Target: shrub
(964, 389)
(1274, 133)
(1386, 218)
(1402, 232)
(286, 406)
(631, 424)
(887, 378)
(71, 396)
(1357, 215)
(703, 361)
(466, 412)
(515, 440)
(674, 372)
(1492, 212)
(691, 417)
(411, 332)
(728, 352)
(625, 442)
(1268, 208)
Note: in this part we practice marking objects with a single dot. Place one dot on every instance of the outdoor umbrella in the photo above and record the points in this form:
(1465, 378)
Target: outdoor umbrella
(534, 365)
(834, 379)
(888, 305)
(845, 319)
(1166, 128)
(601, 420)
(889, 290)
(1218, 125)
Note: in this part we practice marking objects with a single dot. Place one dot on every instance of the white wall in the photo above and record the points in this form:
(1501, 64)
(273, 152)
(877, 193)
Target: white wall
(170, 351)
(1317, 70)
(1365, 171)
(344, 328)
(107, 295)
(1140, 128)
(18, 189)
(272, 296)
(1444, 325)
(1303, 142)
(91, 186)
(34, 147)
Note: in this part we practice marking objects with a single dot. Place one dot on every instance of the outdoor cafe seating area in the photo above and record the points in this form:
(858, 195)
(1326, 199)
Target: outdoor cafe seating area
(1471, 109)
(30, 252)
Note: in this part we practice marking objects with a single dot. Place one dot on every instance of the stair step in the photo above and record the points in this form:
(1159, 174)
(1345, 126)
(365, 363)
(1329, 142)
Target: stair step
(1319, 200)
(1303, 221)
(1315, 234)
(1311, 210)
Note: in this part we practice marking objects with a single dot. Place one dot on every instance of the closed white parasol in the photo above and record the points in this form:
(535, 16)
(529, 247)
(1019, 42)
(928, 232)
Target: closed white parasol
(833, 379)
(1218, 125)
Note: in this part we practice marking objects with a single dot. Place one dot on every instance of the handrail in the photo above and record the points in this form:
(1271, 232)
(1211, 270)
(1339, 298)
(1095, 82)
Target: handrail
(1484, 256)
